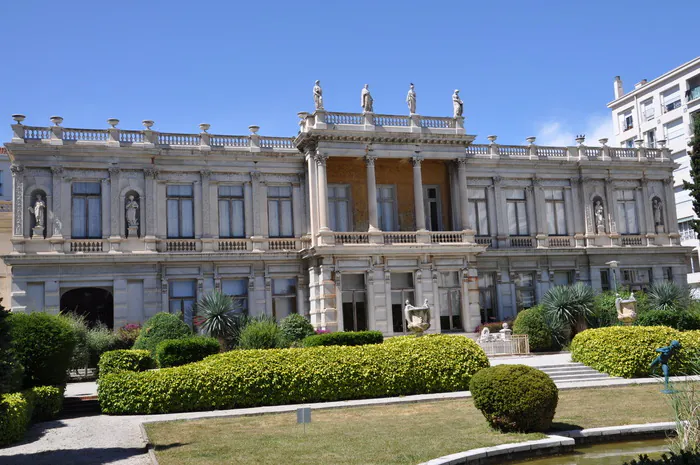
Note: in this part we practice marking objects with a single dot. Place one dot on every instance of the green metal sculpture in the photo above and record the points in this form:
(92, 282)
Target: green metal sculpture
(665, 355)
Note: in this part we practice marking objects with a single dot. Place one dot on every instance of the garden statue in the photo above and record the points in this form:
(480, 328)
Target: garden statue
(664, 357)
(411, 100)
(418, 317)
(599, 217)
(366, 100)
(318, 96)
(506, 332)
(39, 212)
(457, 104)
(131, 207)
(657, 207)
(626, 309)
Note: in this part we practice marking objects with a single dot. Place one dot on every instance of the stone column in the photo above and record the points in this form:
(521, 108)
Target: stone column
(418, 193)
(57, 191)
(106, 207)
(610, 204)
(568, 211)
(322, 193)
(313, 195)
(114, 175)
(372, 194)
(500, 207)
(648, 220)
(248, 208)
(491, 209)
(205, 176)
(149, 231)
(540, 221)
(578, 205)
(463, 194)
(259, 213)
(671, 214)
(531, 214)
(296, 209)
(18, 200)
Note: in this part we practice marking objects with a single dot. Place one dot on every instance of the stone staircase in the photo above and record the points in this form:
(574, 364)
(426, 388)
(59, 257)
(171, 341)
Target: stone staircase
(80, 406)
(573, 373)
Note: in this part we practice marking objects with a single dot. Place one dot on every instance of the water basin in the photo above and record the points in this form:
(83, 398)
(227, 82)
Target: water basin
(614, 453)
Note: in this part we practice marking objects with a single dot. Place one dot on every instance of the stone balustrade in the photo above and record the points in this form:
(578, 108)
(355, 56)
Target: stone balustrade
(397, 123)
(574, 153)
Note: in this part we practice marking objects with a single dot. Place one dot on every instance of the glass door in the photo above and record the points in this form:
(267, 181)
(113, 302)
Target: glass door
(487, 297)
(354, 302)
(401, 291)
(450, 301)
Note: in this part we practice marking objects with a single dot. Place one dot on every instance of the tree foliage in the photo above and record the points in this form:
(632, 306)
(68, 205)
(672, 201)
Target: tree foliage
(693, 186)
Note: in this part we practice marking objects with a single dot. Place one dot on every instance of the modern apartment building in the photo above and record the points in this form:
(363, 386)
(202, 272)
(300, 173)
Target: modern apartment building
(344, 223)
(659, 113)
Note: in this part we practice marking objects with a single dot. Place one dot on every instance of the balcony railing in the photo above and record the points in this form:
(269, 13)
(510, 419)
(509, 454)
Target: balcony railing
(574, 153)
(180, 245)
(521, 242)
(283, 244)
(391, 238)
(632, 240)
(86, 246)
(346, 238)
(233, 245)
(439, 237)
(559, 242)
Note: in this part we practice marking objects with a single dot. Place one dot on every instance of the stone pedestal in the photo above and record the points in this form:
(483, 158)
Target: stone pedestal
(37, 232)
(133, 232)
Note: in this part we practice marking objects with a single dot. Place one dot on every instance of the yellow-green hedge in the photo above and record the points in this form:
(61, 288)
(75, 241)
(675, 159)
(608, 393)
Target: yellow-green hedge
(627, 351)
(19, 409)
(250, 378)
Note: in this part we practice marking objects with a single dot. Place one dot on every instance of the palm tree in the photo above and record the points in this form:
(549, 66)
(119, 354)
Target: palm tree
(569, 306)
(668, 296)
(217, 315)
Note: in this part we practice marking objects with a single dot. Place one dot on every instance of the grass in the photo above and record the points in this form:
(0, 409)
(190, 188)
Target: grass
(392, 434)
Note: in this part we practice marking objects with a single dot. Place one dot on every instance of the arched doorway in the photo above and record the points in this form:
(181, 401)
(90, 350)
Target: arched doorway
(94, 303)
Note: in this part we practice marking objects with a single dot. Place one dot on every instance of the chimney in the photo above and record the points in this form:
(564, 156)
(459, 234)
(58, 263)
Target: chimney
(618, 88)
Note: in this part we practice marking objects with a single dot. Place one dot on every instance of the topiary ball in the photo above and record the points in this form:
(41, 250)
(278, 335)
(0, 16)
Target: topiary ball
(515, 398)
(533, 323)
(161, 327)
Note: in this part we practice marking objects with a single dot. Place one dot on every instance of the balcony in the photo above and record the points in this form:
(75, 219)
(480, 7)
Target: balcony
(693, 93)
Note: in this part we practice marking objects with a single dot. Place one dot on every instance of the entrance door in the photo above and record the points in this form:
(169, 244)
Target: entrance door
(433, 218)
(401, 291)
(354, 302)
(487, 297)
(450, 301)
(93, 303)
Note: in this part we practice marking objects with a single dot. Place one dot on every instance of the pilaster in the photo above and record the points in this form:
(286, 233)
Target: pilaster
(418, 194)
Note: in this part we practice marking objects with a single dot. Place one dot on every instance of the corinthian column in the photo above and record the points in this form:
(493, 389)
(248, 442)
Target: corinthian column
(372, 194)
(418, 193)
(322, 192)
(18, 199)
(463, 195)
(56, 194)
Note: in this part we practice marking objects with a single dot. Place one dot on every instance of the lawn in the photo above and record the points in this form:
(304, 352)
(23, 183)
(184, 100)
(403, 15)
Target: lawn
(392, 434)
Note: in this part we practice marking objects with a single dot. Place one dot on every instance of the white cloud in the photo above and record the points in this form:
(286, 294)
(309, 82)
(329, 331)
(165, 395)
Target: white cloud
(561, 134)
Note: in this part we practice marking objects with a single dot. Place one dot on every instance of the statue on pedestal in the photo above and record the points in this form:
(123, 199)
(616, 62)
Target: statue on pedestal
(418, 317)
(599, 214)
(457, 104)
(657, 208)
(626, 309)
(665, 354)
(131, 209)
(318, 96)
(411, 99)
(39, 213)
(366, 100)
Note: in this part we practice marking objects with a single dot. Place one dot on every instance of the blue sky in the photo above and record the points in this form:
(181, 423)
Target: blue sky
(524, 68)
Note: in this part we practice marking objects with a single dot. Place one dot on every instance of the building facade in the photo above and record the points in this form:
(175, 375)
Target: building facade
(344, 223)
(662, 111)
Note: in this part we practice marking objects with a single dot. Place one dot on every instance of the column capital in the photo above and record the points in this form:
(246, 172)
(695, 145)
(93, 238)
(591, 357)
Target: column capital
(461, 162)
(114, 170)
(321, 159)
(416, 161)
(205, 174)
(669, 181)
(150, 173)
(57, 170)
(370, 159)
(16, 170)
(255, 175)
(497, 179)
(536, 181)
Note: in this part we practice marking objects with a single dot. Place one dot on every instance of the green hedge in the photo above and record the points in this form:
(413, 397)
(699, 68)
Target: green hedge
(125, 360)
(533, 323)
(161, 327)
(682, 320)
(627, 351)
(295, 328)
(176, 352)
(250, 378)
(515, 397)
(19, 409)
(349, 338)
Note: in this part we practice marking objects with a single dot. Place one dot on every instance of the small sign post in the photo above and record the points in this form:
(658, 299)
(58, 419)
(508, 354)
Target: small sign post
(304, 416)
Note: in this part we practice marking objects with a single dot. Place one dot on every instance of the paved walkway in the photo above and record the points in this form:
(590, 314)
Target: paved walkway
(117, 439)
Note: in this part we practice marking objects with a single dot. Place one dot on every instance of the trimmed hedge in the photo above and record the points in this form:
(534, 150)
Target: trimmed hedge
(349, 338)
(533, 323)
(44, 345)
(125, 360)
(176, 352)
(682, 320)
(19, 409)
(249, 378)
(161, 327)
(627, 351)
(515, 397)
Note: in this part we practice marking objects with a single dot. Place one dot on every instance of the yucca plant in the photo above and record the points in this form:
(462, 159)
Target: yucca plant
(668, 296)
(569, 306)
(218, 315)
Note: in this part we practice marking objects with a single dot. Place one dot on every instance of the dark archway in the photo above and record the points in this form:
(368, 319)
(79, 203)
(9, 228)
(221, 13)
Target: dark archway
(95, 304)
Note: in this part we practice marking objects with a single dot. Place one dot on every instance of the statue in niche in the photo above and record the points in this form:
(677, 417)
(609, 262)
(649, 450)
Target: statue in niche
(457, 104)
(39, 212)
(132, 207)
(657, 208)
(411, 99)
(318, 96)
(599, 214)
(366, 100)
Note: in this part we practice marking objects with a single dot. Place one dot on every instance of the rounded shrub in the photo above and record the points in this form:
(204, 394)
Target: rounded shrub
(176, 352)
(15, 414)
(125, 360)
(46, 402)
(627, 351)
(250, 378)
(262, 333)
(349, 338)
(44, 346)
(10, 369)
(515, 397)
(533, 323)
(295, 327)
(161, 327)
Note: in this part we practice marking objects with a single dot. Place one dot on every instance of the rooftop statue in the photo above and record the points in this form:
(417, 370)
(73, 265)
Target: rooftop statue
(366, 100)
(318, 96)
(411, 99)
(664, 357)
(457, 104)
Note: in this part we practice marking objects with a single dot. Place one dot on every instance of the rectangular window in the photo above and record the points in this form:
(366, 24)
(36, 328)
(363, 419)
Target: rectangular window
(627, 212)
(636, 279)
(284, 297)
(685, 229)
(605, 280)
(650, 138)
(674, 129)
(626, 120)
(487, 297)
(231, 211)
(339, 207)
(517, 212)
(629, 143)
(693, 91)
(35, 297)
(86, 210)
(671, 99)
(180, 207)
(668, 273)
(354, 302)
(555, 212)
(524, 290)
(401, 291)
(449, 288)
(562, 278)
(182, 296)
(1, 177)
(478, 213)
(279, 210)
(433, 217)
(237, 289)
(648, 109)
(386, 207)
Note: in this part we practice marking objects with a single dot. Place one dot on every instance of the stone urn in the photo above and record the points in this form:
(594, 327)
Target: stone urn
(626, 309)
(418, 318)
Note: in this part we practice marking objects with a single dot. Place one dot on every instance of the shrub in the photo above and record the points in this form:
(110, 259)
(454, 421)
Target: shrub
(161, 327)
(515, 397)
(627, 351)
(683, 458)
(532, 322)
(667, 295)
(249, 378)
(80, 358)
(261, 333)
(604, 312)
(44, 345)
(46, 402)
(100, 339)
(127, 335)
(350, 338)
(680, 319)
(10, 369)
(295, 327)
(125, 360)
(15, 414)
(176, 352)
(569, 305)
